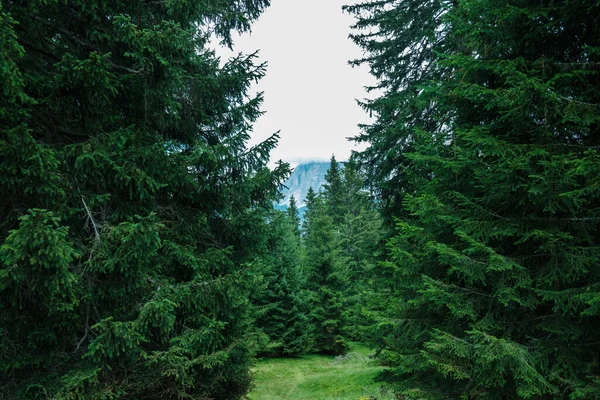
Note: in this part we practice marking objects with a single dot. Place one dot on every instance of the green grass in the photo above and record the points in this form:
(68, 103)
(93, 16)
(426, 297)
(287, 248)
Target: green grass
(317, 377)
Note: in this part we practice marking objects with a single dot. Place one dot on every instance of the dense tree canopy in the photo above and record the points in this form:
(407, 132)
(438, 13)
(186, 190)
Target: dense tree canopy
(129, 200)
(486, 149)
(283, 299)
(141, 257)
(327, 277)
(400, 40)
(333, 192)
(341, 233)
(294, 216)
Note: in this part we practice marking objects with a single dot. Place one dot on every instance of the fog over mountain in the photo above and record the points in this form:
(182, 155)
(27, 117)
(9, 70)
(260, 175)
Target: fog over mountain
(310, 174)
(304, 176)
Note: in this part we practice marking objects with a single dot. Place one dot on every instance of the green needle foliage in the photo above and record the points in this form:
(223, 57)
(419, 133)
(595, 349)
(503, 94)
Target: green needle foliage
(486, 150)
(327, 276)
(342, 232)
(129, 200)
(360, 236)
(294, 216)
(283, 301)
(333, 192)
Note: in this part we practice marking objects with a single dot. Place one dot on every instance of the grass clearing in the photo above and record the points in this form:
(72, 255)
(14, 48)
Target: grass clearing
(318, 377)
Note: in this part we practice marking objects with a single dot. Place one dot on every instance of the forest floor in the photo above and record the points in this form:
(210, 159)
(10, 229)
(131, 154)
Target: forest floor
(318, 377)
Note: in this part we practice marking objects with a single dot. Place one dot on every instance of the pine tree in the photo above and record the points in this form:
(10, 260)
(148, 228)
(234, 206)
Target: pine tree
(400, 43)
(353, 183)
(333, 192)
(491, 287)
(283, 300)
(326, 278)
(360, 236)
(129, 201)
(293, 216)
(311, 202)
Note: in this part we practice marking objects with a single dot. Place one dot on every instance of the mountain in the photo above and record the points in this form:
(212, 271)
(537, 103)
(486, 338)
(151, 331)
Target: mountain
(303, 177)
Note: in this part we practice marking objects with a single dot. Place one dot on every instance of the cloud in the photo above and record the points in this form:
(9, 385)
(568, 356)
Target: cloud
(310, 89)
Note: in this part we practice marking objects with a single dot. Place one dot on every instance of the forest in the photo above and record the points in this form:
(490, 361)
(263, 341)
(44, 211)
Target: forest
(141, 256)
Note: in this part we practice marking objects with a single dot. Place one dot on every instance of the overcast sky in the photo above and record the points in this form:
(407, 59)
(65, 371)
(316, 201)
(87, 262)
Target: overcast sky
(310, 89)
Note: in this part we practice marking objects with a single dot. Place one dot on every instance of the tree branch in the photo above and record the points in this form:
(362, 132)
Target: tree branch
(91, 218)
(87, 330)
(84, 44)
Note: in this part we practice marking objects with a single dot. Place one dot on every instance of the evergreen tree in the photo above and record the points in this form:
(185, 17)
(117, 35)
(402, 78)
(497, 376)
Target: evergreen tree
(360, 235)
(326, 279)
(293, 216)
(400, 43)
(333, 192)
(283, 297)
(491, 290)
(311, 202)
(353, 183)
(128, 200)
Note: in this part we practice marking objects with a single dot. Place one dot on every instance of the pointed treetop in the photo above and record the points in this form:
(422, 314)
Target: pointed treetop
(334, 191)
(294, 218)
(311, 196)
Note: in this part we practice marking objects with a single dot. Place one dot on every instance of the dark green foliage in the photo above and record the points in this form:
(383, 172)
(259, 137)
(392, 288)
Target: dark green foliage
(400, 43)
(342, 232)
(311, 201)
(360, 228)
(282, 300)
(488, 152)
(293, 216)
(129, 203)
(327, 277)
(333, 192)
(360, 236)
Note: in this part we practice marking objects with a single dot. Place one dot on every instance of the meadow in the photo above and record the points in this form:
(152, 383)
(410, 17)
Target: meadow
(348, 377)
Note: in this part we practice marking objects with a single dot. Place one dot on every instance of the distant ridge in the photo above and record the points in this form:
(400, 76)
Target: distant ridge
(306, 175)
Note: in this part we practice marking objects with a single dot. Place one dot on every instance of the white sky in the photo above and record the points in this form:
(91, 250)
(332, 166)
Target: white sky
(310, 89)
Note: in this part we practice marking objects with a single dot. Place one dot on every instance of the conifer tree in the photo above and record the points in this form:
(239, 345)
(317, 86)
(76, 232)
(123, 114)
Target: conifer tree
(311, 203)
(491, 289)
(353, 183)
(283, 297)
(293, 216)
(326, 278)
(128, 200)
(333, 192)
(400, 43)
(360, 234)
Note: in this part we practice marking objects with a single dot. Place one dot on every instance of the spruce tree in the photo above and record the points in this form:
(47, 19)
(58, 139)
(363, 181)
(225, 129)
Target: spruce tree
(333, 192)
(360, 236)
(128, 200)
(283, 300)
(293, 216)
(491, 289)
(311, 202)
(400, 43)
(326, 279)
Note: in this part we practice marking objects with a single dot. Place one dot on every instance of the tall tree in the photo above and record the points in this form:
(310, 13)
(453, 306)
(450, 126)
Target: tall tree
(326, 279)
(293, 216)
(360, 236)
(400, 43)
(491, 289)
(283, 300)
(127, 200)
(333, 194)
(311, 204)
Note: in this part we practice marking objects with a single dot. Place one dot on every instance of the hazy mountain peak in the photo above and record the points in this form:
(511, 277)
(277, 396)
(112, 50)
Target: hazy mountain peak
(306, 175)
